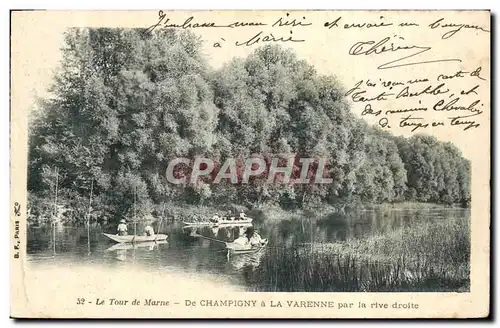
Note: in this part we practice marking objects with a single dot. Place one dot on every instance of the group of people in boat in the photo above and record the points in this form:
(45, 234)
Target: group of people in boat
(250, 238)
(216, 218)
(122, 229)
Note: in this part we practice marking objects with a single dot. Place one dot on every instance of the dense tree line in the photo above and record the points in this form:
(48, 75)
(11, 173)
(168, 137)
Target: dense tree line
(126, 102)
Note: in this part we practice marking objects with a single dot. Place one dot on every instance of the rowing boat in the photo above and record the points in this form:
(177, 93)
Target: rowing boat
(217, 226)
(220, 223)
(236, 249)
(134, 238)
(126, 246)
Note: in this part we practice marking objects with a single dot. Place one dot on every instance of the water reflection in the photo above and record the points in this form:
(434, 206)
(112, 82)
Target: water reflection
(124, 251)
(149, 245)
(185, 252)
(246, 261)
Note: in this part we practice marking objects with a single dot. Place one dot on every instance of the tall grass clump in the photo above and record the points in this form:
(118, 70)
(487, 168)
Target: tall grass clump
(431, 256)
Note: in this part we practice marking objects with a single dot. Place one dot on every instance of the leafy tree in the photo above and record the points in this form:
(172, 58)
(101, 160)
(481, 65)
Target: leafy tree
(436, 171)
(124, 103)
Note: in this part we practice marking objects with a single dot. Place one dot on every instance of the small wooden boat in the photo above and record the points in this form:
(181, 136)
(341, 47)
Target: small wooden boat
(135, 238)
(250, 260)
(237, 249)
(246, 221)
(126, 246)
(217, 226)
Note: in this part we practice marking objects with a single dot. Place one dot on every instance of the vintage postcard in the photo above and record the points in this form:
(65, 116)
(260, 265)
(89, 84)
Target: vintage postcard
(250, 164)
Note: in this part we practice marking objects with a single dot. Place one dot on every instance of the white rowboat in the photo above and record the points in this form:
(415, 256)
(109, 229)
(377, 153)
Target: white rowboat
(126, 246)
(134, 238)
(234, 249)
(220, 223)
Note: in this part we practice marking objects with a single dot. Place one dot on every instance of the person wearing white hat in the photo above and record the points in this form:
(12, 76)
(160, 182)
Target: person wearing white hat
(122, 228)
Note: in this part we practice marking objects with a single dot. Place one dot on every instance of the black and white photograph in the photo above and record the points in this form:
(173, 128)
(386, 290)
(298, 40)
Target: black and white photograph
(253, 154)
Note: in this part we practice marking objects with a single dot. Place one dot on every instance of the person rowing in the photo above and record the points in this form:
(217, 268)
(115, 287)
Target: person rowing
(242, 241)
(253, 237)
(122, 228)
(256, 239)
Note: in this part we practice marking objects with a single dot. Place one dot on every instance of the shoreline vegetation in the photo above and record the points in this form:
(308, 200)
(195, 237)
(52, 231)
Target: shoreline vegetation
(173, 212)
(431, 256)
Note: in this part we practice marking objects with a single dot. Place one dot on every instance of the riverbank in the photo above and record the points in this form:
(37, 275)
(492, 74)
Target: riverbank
(182, 212)
(428, 256)
(179, 211)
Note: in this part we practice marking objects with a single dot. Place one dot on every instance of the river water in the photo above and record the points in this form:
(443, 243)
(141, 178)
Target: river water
(185, 253)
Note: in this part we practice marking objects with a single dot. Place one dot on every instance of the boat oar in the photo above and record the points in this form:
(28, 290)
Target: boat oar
(208, 238)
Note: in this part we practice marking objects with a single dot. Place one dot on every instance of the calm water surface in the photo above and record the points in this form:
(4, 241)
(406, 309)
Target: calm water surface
(65, 245)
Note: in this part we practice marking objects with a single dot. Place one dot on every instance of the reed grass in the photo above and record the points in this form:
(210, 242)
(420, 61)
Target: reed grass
(432, 256)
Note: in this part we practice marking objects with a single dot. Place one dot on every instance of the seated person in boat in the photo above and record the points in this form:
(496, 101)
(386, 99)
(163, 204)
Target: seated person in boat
(242, 216)
(255, 239)
(215, 218)
(148, 230)
(250, 233)
(242, 241)
(122, 228)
